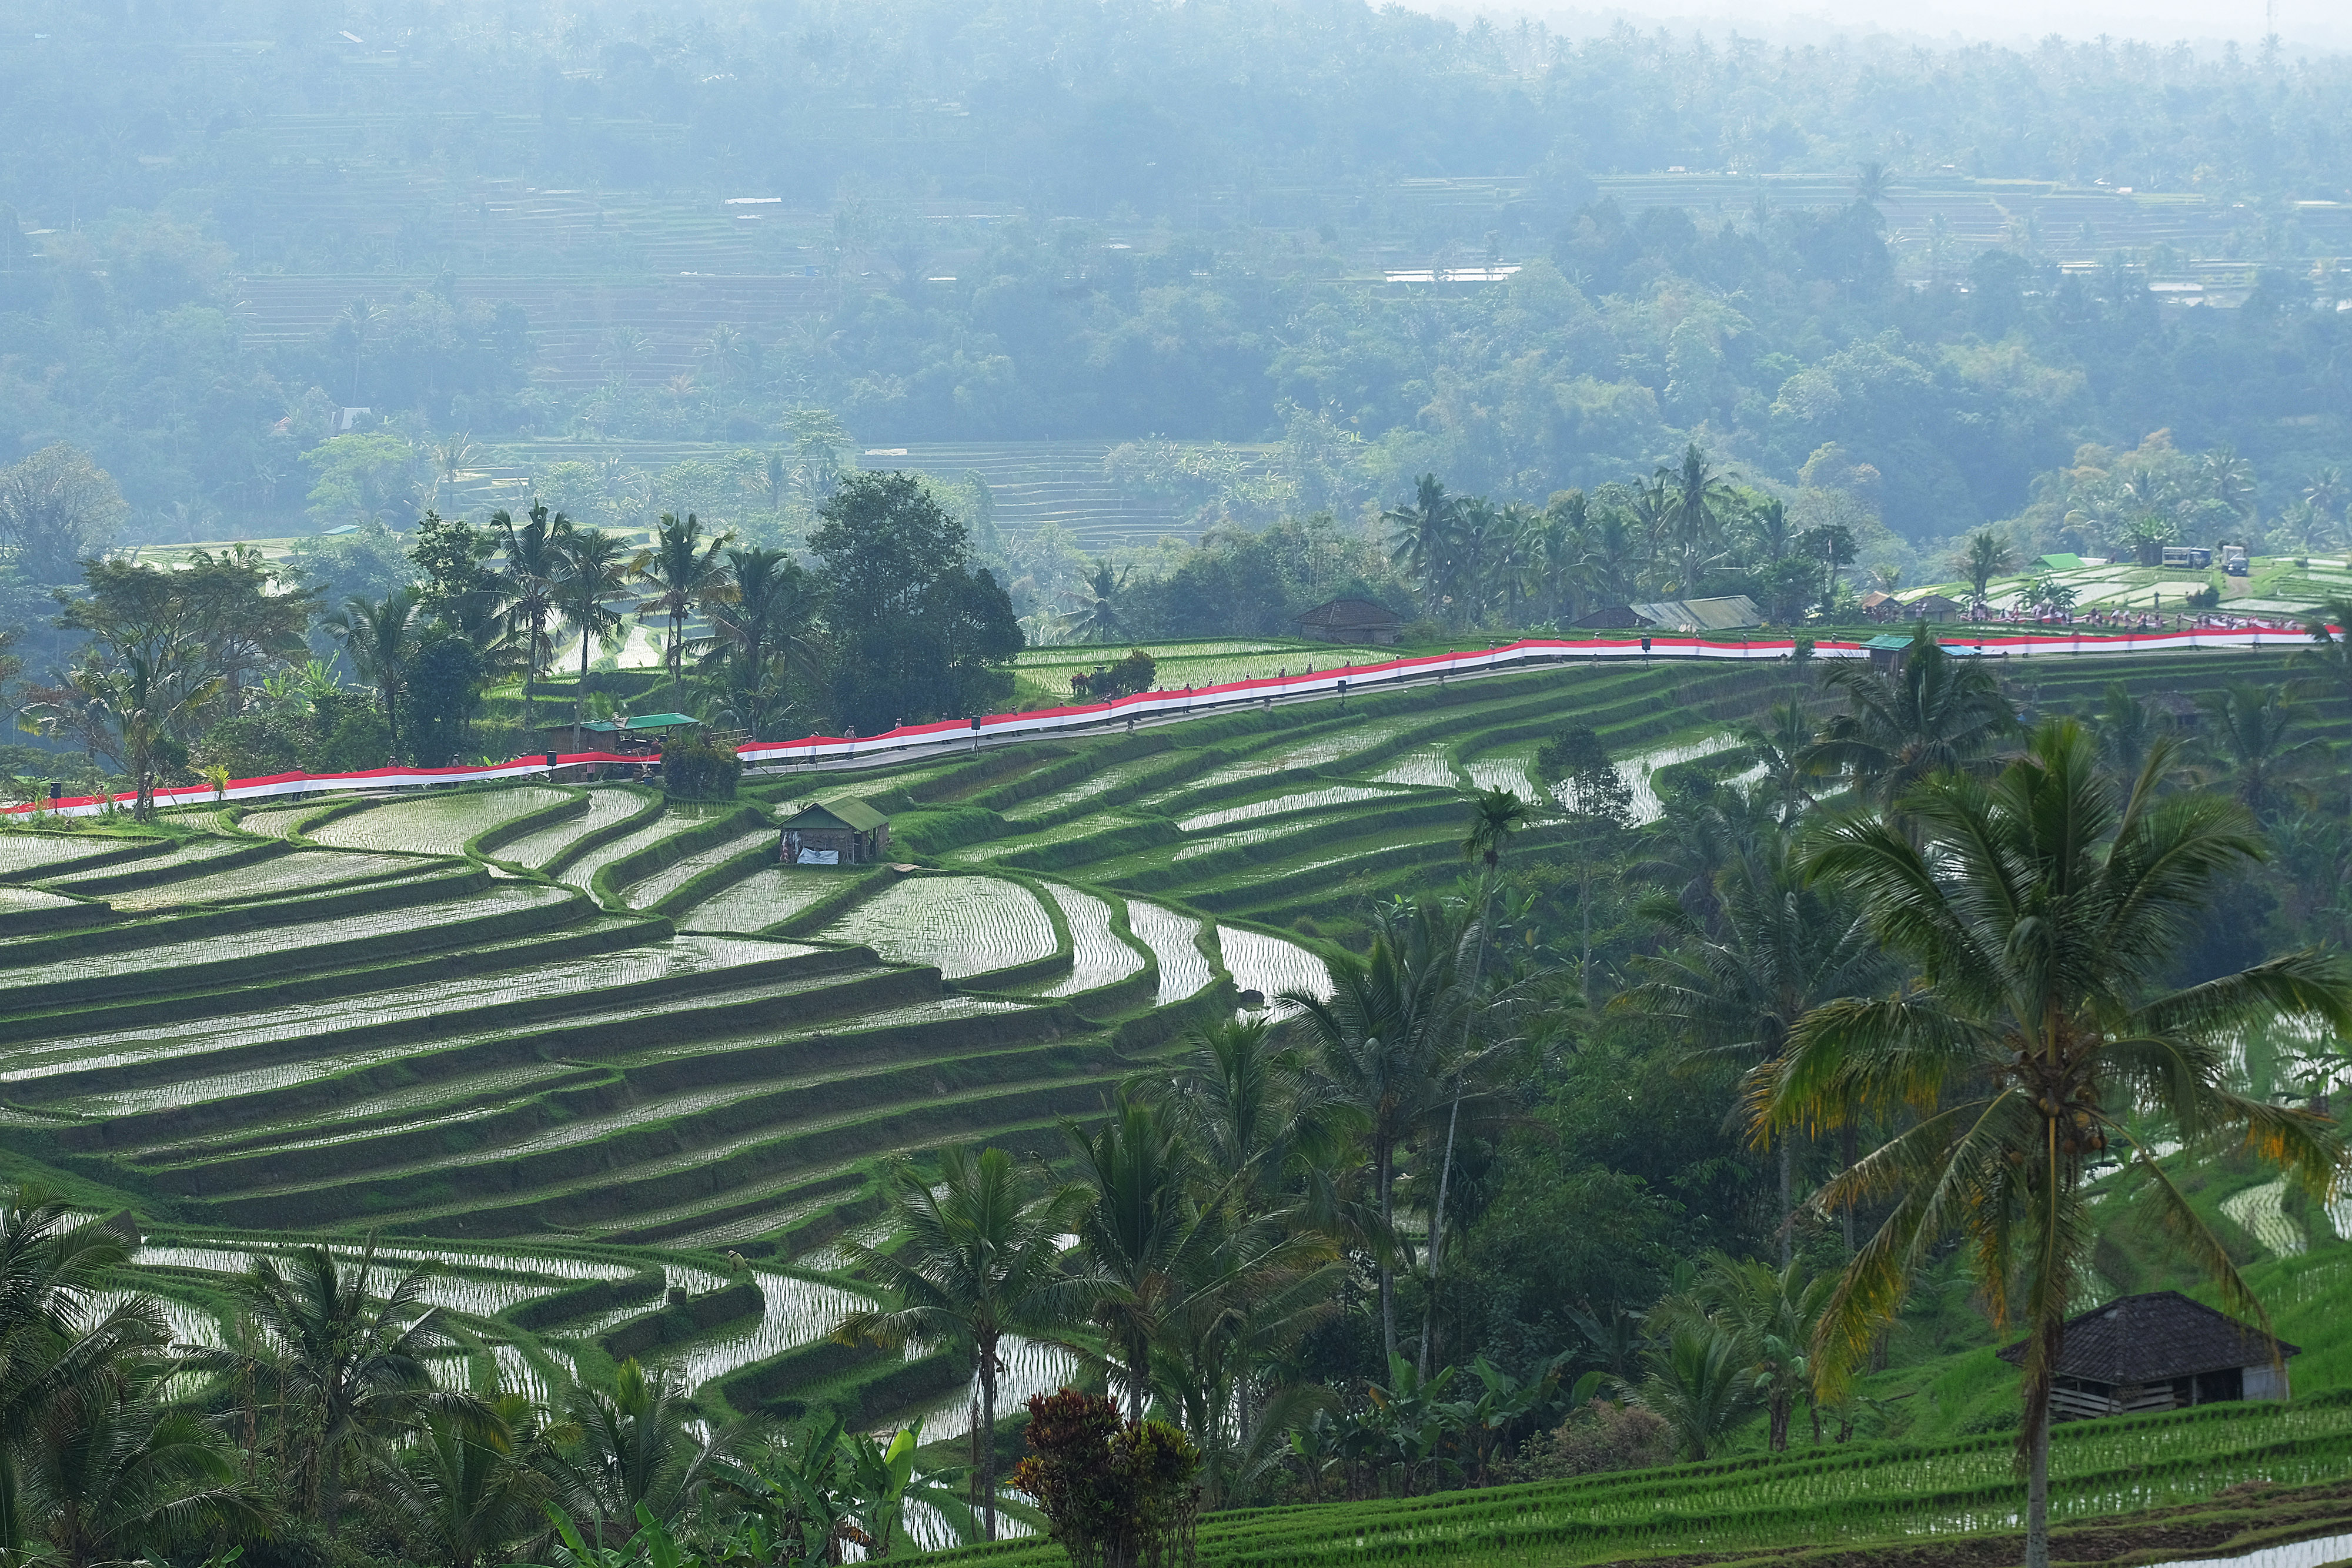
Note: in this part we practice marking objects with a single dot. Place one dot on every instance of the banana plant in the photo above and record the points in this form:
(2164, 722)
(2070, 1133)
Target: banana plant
(1414, 1417)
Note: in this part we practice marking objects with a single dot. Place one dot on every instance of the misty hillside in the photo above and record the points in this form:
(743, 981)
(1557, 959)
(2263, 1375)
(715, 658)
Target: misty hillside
(1354, 245)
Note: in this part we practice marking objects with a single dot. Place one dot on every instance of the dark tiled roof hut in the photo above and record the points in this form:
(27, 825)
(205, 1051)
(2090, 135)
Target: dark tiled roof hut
(2161, 1351)
(845, 828)
(1357, 621)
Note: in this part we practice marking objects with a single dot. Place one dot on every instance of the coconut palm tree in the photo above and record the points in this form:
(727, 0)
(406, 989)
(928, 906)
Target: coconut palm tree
(129, 711)
(979, 1258)
(768, 623)
(1421, 538)
(115, 1474)
(2042, 909)
(1135, 1229)
(1935, 713)
(686, 574)
(1097, 618)
(1245, 1101)
(1380, 1042)
(1698, 1383)
(453, 458)
(635, 1448)
(2255, 754)
(1780, 948)
(1874, 182)
(526, 585)
(2327, 494)
(346, 1349)
(53, 1357)
(595, 569)
(2128, 729)
(1779, 744)
(1697, 502)
(2330, 627)
(1987, 556)
(1776, 1313)
(473, 1485)
(1494, 816)
(380, 637)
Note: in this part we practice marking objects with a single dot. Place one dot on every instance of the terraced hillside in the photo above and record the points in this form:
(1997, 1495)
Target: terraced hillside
(633, 1079)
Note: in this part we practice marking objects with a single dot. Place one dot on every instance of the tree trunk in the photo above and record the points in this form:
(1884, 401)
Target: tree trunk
(987, 1432)
(1584, 907)
(1436, 1225)
(1846, 1136)
(530, 669)
(2037, 1452)
(1388, 1265)
(580, 696)
(1787, 1199)
(2037, 1492)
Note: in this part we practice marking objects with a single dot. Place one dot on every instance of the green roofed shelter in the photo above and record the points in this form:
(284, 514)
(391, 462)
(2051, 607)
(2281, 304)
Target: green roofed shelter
(652, 721)
(2062, 561)
(843, 830)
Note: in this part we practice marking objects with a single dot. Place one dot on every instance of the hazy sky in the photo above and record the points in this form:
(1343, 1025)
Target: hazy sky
(2304, 25)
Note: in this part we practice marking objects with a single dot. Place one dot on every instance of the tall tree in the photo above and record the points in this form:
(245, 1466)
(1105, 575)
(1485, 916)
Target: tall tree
(1598, 803)
(2330, 627)
(534, 553)
(54, 1270)
(2257, 752)
(346, 1349)
(1987, 556)
(1136, 1229)
(1421, 538)
(1099, 616)
(640, 1447)
(688, 576)
(1780, 948)
(1697, 502)
(767, 633)
(473, 1484)
(979, 1259)
(596, 569)
(2042, 914)
(380, 639)
(915, 633)
(1494, 816)
(122, 1475)
(1377, 1040)
(1935, 713)
(56, 508)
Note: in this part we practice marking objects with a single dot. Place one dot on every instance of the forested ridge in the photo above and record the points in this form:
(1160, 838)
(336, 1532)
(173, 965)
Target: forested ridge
(1008, 224)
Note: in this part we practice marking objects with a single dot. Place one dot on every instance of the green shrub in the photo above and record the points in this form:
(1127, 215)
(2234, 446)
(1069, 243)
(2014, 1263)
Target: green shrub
(254, 746)
(349, 736)
(695, 768)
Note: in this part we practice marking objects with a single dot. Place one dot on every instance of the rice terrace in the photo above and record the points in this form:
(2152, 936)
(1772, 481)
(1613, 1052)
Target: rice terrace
(633, 1086)
(1228, 784)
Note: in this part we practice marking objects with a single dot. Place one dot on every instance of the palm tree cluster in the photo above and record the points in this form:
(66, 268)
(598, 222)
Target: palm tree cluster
(316, 1423)
(523, 593)
(1929, 955)
(1687, 529)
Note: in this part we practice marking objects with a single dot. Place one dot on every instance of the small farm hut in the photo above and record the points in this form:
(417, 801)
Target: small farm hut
(2159, 1351)
(640, 734)
(1357, 621)
(843, 830)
